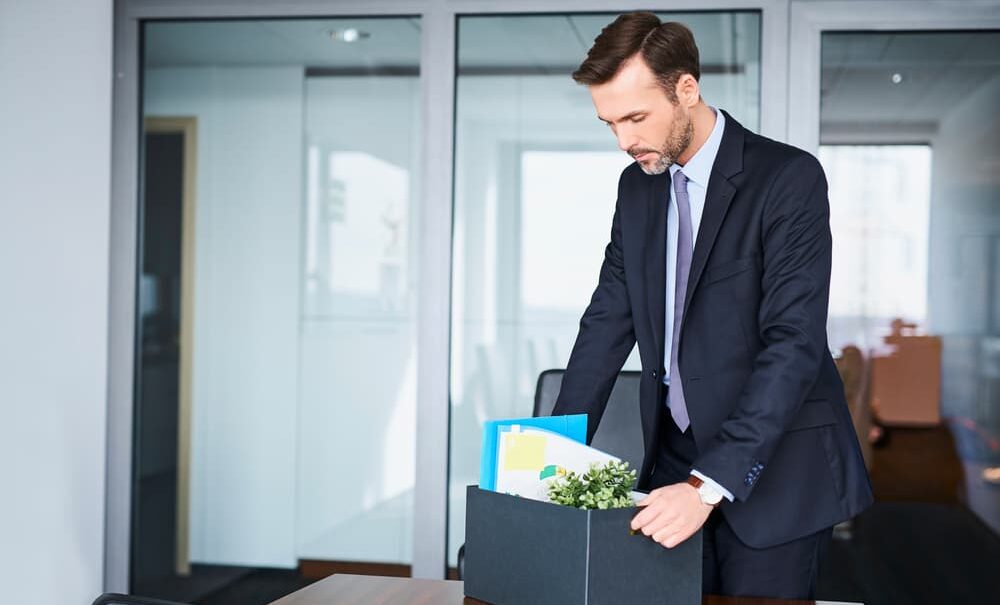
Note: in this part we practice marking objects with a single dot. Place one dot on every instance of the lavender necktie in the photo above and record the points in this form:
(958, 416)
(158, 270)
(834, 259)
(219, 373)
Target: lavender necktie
(685, 247)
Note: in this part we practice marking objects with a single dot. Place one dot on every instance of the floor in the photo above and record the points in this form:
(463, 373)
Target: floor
(916, 554)
(932, 535)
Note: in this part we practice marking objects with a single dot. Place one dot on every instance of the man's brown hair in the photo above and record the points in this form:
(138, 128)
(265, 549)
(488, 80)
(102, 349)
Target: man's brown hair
(667, 48)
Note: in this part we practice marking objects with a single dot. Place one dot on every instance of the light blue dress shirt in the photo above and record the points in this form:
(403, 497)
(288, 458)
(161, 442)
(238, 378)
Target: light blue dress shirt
(697, 170)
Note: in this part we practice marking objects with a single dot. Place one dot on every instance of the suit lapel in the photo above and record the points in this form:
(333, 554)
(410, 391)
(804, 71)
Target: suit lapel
(656, 249)
(720, 193)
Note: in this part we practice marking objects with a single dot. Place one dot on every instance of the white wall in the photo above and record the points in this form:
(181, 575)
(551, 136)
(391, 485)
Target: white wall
(55, 141)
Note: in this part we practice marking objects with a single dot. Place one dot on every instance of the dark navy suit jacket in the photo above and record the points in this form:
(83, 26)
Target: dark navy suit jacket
(766, 403)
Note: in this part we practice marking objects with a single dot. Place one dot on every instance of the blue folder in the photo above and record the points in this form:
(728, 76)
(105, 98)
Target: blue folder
(574, 427)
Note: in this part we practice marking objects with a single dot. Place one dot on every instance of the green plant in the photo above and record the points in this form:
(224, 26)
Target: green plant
(602, 487)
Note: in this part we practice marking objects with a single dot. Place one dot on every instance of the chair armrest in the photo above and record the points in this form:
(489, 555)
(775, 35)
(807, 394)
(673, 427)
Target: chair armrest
(110, 598)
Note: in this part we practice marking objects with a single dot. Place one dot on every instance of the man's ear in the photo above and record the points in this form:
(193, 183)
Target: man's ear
(688, 91)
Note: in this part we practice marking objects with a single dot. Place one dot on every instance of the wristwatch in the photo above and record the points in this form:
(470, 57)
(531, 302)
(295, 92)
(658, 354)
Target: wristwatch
(708, 494)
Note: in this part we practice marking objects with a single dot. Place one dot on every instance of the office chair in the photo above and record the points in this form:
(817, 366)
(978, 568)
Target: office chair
(619, 432)
(110, 598)
(855, 373)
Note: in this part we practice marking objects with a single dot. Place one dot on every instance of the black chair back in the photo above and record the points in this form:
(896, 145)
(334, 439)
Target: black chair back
(620, 430)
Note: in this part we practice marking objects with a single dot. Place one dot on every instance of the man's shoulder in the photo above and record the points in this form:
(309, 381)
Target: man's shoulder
(774, 169)
(763, 153)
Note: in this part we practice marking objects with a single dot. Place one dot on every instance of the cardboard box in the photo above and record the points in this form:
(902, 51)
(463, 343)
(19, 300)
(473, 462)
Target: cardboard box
(906, 381)
(523, 552)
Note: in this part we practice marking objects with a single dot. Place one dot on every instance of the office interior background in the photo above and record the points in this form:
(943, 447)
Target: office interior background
(269, 265)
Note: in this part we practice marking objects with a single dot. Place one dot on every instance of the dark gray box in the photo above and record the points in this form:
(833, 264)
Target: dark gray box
(524, 552)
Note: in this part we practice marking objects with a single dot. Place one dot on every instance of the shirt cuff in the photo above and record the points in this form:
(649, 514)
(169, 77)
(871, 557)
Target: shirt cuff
(725, 492)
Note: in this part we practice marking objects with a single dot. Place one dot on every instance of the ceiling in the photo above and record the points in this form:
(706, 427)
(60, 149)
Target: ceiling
(261, 43)
(936, 71)
(529, 42)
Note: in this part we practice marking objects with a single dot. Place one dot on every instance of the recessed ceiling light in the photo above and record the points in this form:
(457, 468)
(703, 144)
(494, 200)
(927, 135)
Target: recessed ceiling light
(349, 34)
(897, 78)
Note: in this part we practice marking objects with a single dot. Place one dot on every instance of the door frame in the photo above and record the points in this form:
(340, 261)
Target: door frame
(187, 127)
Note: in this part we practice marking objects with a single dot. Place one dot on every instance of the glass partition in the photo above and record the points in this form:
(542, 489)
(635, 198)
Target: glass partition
(908, 128)
(536, 176)
(277, 391)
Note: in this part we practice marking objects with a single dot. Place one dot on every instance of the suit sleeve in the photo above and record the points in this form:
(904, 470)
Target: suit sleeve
(605, 339)
(795, 289)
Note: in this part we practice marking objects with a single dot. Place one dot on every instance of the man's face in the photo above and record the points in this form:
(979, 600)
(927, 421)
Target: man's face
(649, 127)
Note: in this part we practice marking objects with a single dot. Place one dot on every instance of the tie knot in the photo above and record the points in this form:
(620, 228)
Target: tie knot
(680, 184)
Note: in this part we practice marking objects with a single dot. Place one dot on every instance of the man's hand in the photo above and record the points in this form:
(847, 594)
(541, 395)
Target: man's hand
(671, 514)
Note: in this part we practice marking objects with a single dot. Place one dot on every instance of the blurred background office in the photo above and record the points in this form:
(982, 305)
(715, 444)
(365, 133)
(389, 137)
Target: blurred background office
(267, 267)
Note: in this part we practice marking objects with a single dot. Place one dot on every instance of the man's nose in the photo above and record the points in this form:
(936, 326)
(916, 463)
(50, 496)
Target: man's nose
(626, 139)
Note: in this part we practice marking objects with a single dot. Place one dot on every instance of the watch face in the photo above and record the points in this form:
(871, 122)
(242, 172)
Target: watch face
(709, 495)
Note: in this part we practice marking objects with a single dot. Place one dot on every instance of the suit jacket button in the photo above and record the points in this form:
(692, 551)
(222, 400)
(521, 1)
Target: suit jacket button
(653, 373)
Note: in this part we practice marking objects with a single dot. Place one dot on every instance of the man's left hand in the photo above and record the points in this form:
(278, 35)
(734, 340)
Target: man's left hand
(671, 514)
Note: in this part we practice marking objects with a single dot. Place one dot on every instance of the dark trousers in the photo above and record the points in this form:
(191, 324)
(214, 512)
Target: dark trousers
(730, 567)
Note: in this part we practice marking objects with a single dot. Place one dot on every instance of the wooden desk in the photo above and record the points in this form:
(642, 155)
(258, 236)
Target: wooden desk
(344, 589)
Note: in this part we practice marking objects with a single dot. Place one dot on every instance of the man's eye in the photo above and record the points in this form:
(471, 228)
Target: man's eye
(638, 119)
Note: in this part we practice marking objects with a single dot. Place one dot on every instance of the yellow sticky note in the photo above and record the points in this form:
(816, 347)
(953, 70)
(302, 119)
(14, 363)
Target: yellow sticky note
(524, 452)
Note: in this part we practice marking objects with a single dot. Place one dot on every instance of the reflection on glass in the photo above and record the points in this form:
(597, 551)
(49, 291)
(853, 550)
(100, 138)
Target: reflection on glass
(879, 211)
(536, 176)
(909, 123)
(294, 420)
(357, 365)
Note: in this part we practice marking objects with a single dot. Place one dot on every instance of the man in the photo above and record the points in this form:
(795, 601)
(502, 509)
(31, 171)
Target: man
(719, 268)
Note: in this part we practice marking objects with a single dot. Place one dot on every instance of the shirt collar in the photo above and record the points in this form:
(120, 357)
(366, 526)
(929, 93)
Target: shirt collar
(699, 167)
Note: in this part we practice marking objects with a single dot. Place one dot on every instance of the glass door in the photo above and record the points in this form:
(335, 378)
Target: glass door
(275, 370)
(905, 136)
(899, 105)
(536, 176)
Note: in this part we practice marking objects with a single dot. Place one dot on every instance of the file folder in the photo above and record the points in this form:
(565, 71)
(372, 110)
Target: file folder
(573, 427)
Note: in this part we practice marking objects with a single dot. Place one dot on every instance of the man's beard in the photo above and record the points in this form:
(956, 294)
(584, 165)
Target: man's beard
(677, 141)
